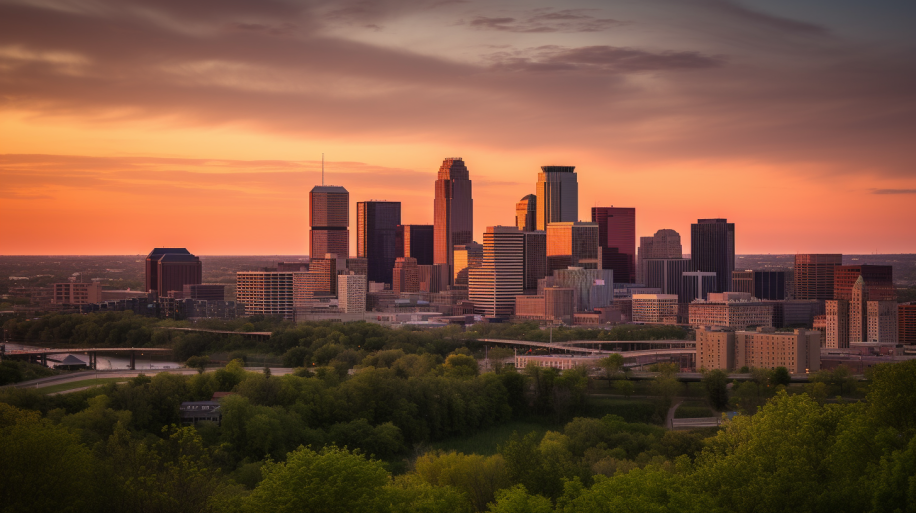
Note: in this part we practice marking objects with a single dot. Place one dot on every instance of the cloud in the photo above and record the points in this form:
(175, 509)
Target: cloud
(894, 191)
(760, 19)
(601, 58)
(545, 21)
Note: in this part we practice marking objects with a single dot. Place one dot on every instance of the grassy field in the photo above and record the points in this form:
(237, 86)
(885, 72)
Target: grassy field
(632, 410)
(485, 442)
(63, 387)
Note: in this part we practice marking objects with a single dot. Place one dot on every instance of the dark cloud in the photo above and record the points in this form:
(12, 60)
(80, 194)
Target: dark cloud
(546, 20)
(748, 16)
(601, 58)
(894, 191)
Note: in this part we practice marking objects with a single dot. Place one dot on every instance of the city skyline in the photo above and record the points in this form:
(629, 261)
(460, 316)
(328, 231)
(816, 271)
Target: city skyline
(774, 115)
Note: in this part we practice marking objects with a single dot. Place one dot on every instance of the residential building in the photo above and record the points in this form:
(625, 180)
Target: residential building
(466, 257)
(415, 241)
(406, 275)
(654, 308)
(376, 237)
(665, 244)
(266, 293)
(74, 293)
(715, 348)
(765, 348)
(526, 213)
(572, 244)
(535, 258)
(453, 210)
(329, 220)
(712, 249)
(815, 275)
(617, 230)
(557, 192)
(351, 293)
(493, 286)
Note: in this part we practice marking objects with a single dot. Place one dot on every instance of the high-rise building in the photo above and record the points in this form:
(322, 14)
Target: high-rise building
(665, 273)
(557, 196)
(882, 319)
(594, 287)
(526, 213)
(453, 210)
(655, 308)
(406, 275)
(376, 237)
(617, 229)
(266, 293)
(171, 269)
(768, 285)
(696, 285)
(664, 244)
(492, 287)
(351, 293)
(906, 323)
(837, 323)
(743, 281)
(814, 275)
(466, 257)
(434, 278)
(858, 311)
(712, 249)
(319, 282)
(415, 241)
(878, 278)
(572, 244)
(329, 219)
(535, 258)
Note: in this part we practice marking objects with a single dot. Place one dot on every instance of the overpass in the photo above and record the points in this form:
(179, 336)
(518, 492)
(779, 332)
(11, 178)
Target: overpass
(258, 335)
(571, 348)
(631, 345)
(40, 355)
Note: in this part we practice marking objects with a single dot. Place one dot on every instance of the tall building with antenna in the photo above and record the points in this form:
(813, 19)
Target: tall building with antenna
(329, 219)
(453, 210)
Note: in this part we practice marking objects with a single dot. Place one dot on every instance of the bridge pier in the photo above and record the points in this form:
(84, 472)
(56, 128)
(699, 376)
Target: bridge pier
(93, 359)
(44, 359)
(133, 360)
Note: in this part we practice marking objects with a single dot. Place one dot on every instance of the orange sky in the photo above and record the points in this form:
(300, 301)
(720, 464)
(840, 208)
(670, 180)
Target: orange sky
(127, 125)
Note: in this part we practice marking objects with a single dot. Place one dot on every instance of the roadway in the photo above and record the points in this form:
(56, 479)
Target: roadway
(121, 373)
(570, 348)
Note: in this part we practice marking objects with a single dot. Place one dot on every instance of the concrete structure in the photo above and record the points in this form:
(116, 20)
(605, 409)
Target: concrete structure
(415, 241)
(535, 258)
(594, 287)
(453, 210)
(561, 362)
(552, 304)
(376, 237)
(837, 324)
(329, 219)
(406, 275)
(797, 351)
(526, 213)
(617, 230)
(696, 285)
(712, 249)
(906, 323)
(493, 286)
(73, 293)
(665, 244)
(654, 308)
(557, 193)
(466, 257)
(815, 274)
(171, 269)
(666, 273)
(730, 314)
(881, 324)
(266, 293)
(572, 244)
(351, 293)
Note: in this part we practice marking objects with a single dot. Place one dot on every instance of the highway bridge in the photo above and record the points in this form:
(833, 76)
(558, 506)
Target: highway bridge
(40, 355)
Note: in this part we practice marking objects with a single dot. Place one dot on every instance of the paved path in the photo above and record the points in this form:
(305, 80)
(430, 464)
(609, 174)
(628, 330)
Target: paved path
(669, 419)
(83, 375)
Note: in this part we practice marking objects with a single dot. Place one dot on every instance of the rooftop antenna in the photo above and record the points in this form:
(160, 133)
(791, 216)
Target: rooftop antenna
(322, 169)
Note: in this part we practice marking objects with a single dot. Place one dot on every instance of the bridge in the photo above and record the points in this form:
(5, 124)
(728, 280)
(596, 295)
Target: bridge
(259, 335)
(668, 346)
(40, 355)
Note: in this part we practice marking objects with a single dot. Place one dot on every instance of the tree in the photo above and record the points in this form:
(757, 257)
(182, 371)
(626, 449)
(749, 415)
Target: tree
(780, 376)
(611, 365)
(479, 477)
(891, 397)
(761, 378)
(666, 388)
(198, 362)
(839, 380)
(498, 355)
(715, 382)
(625, 387)
(460, 366)
(518, 500)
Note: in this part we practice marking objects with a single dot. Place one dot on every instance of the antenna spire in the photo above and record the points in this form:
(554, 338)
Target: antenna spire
(322, 169)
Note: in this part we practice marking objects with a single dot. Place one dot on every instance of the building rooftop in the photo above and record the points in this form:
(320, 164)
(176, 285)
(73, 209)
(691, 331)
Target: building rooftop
(558, 169)
(330, 188)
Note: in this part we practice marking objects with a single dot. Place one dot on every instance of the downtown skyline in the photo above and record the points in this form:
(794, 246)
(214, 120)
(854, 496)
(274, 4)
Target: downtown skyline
(791, 121)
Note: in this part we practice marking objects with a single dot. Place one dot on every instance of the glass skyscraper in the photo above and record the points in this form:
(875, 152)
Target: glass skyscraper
(453, 210)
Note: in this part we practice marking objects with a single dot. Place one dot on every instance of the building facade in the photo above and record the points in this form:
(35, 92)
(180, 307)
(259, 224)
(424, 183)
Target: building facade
(415, 241)
(665, 244)
(815, 275)
(572, 244)
(493, 286)
(712, 249)
(351, 293)
(266, 293)
(617, 230)
(666, 274)
(376, 237)
(466, 257)
(594, 287)
(764, 348)
(406, 275)
(329, 221)
(557, 192)
(526, 213)
(171, 269)
(730, 314)
(73, 293)
(906, 323)
(696, 285)
(535, 258)
(453, 210)
(552, 304)
(879, 279)
(654, 308)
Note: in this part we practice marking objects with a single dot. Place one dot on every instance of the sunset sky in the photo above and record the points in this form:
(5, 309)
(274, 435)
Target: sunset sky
(129, 124)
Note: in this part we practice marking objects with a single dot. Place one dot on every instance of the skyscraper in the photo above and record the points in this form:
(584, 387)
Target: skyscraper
(664, 244)
(557, 196)
(535, 259)
(814, 275)
(572, 243)
(712, 249)
(525, 213)
(492, 287)
(416, 241)
(171, 269)
(666, 273)
(878, 278)
(406, 275)
(376, 237)
(617, 229)
(329, 218)
(466, 256)
(453, 210)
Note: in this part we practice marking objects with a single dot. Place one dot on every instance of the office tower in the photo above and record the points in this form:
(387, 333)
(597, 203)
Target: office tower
(572, 244)
(535, 258)
(858, 311)
(768, 285)
(357, 266)
(617, 230)
(594, 287)
(466, 257)
(453, 210)
(654, 308)
(665, 273)
(266, 293)
(171, 269)
(557, 196)
(906, 323)
(837, 323)
(351, 293)
(712, 249)
(878, 278)
(415, 241)
(406, 275)
(434, 278)
(492, 287)
(526, 213)
(664, 244)
(329, 218)
(814, 275)
(743, 281)
(376, 237)
(696, 285)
